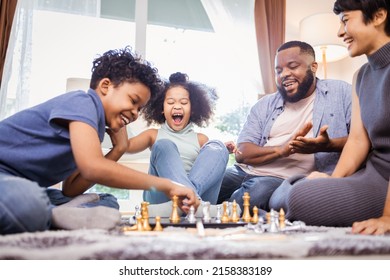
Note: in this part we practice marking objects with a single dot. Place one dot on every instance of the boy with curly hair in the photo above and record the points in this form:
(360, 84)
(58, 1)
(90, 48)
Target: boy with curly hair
(60, 141)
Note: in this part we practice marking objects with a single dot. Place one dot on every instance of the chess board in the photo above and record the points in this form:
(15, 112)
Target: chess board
(165, 222)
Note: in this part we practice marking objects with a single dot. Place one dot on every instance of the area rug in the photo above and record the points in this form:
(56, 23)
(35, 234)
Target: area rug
(185, 244)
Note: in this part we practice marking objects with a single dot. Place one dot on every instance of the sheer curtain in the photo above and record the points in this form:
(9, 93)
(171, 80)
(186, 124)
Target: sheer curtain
(15, 87)
(270, 21)
(233, 23)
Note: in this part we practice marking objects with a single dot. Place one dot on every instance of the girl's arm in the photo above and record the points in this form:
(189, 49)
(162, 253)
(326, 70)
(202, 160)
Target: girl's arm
(94, 167)
(202, 138)
(141, 141)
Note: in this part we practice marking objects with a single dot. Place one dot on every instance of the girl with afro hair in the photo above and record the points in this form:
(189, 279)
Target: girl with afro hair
(177, 151)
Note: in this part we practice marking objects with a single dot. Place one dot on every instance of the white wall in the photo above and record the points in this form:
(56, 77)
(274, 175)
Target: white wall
(296, 10)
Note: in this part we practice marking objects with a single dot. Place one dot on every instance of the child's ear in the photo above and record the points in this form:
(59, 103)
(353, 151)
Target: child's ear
(104, 85)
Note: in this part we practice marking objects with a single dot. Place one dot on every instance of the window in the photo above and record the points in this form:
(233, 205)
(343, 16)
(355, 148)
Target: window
(213, 41)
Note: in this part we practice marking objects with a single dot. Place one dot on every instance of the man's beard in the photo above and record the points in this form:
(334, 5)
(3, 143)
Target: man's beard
(303, 88)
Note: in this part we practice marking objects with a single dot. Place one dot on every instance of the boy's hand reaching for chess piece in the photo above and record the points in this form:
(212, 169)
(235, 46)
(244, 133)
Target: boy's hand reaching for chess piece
(186, 196)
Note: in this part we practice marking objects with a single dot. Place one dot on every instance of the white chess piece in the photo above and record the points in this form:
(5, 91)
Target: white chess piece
(191, 215)
(206, 212)
(219, 214)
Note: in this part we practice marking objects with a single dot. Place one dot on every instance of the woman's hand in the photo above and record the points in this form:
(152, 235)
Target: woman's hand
(372, 226)
(316, 174)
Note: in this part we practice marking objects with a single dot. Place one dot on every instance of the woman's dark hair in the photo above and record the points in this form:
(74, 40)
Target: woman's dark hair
(367, 7)
(124, 66)
(202, 98)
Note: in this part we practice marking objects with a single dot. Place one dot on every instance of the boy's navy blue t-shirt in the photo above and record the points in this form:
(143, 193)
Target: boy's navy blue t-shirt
(34, 147)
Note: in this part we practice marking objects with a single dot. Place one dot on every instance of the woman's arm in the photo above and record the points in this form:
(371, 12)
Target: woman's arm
(358, 144)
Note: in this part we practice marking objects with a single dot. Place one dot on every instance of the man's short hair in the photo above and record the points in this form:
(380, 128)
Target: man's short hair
(303, 46)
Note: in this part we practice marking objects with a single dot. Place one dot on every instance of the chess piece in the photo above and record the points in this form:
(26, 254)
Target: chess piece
(268, 217)
(133, 219)
(255, 218)
(273, 227)
(246, 216)
(206, 212)
(140, 226)
(219, 214)
(282, 219)
(145, 216)
(158, 226)
(174, 218)
(234, 217)
(225, 216)
(229, 209)
(191, 215)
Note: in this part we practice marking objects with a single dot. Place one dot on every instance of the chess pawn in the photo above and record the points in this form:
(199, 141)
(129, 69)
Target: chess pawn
(225, 216)
(282, 219)
(246, 216)
(140, 226)
(158, 226)
(191, 215)
(268, 217)
(219, 214)
(255, 218)
(273, 225)
(133, 219)
(174, 218)
(234, 217)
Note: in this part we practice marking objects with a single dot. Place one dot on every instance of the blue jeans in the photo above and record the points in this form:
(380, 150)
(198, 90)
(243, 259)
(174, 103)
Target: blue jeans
(24, 205)
(27, 207)
(260, 188)
(205, 176)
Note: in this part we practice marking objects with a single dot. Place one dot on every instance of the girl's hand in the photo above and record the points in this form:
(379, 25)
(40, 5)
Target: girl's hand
(232, 148)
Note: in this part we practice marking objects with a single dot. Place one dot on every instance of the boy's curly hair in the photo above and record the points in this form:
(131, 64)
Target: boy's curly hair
(202, 99)
(124, 66)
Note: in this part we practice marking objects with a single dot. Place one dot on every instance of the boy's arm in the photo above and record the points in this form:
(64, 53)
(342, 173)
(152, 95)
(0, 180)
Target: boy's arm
(93, 166)
(119, 145)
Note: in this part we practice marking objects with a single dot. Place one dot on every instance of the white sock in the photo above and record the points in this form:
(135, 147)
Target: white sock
(82, 199)
(99, 217)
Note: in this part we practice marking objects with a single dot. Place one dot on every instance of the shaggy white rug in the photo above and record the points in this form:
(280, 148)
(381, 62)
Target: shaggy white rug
(184, 244)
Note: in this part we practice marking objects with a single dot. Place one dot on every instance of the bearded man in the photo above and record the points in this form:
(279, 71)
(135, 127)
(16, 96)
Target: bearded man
(298, 129)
